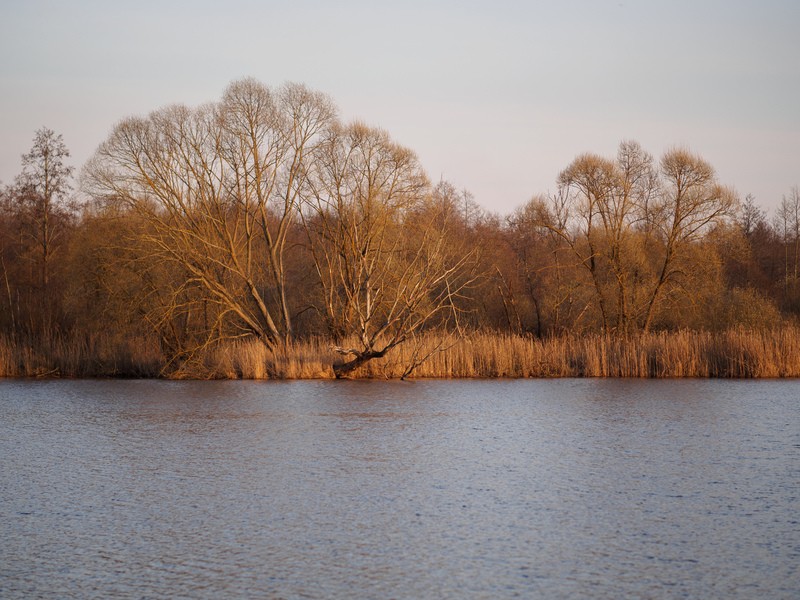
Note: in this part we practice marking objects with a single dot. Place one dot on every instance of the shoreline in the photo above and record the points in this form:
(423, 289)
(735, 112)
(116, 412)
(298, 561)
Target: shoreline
(731, 354)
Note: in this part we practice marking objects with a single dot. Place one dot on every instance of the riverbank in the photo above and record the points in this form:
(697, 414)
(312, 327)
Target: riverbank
(730, 354)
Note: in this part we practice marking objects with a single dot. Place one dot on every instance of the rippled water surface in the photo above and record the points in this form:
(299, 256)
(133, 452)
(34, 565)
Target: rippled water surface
(447, 489)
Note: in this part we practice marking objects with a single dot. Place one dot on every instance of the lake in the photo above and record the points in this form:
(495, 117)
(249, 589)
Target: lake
(426, 489)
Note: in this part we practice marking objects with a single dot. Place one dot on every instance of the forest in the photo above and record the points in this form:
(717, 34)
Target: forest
(259, 236)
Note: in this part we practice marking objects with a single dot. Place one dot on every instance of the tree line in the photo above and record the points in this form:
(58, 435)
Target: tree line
(263, 216)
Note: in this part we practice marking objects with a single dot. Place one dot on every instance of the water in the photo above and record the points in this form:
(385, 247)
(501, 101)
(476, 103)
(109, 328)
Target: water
(459, 489)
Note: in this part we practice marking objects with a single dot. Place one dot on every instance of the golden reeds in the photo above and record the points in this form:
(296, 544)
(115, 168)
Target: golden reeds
(98, 356)
(736, 353)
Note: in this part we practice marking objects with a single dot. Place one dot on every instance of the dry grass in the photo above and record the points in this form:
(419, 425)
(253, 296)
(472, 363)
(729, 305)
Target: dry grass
(732, 354)
(736, 353)
(250, 359)
(92, 357)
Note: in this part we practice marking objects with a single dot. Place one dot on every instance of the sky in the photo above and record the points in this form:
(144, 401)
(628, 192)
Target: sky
(496, 97)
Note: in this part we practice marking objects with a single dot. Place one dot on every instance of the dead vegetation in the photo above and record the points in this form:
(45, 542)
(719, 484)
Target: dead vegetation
(735, 353)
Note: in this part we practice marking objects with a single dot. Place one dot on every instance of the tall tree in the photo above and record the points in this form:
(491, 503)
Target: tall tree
(42, 190)
(8, 254)
(690, 203)
(751, 216)
(630, 226)
(787, 226)
(40, 205)
(218, 187)
(380, 253)
(601, 213)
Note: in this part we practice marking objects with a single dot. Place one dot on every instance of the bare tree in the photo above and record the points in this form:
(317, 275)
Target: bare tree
(790, 211)
(381, 255)
(7, 254)
(691, 202)
(751, 216)
(574, 215)
(630, 226)
(218, 187)
(542, 262)
(598, 206)
(42, 189)
(40, 213)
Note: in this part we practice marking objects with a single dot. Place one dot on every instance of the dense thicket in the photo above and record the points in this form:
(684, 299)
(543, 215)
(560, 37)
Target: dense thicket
(264, 218)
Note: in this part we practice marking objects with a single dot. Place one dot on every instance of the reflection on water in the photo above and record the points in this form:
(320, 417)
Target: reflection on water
(482, 489)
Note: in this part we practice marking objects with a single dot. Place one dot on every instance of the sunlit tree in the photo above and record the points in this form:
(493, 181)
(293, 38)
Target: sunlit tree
(218, 189)
(379, 249)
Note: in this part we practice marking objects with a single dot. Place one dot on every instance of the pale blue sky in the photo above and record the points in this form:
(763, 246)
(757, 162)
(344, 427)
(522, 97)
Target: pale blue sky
(496, 97)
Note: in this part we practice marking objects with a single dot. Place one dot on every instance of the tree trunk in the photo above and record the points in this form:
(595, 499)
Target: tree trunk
(341, 370)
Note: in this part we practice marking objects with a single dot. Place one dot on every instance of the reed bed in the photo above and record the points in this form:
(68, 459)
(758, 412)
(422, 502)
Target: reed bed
(736, 353)
(97, 356)
(250, 359)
